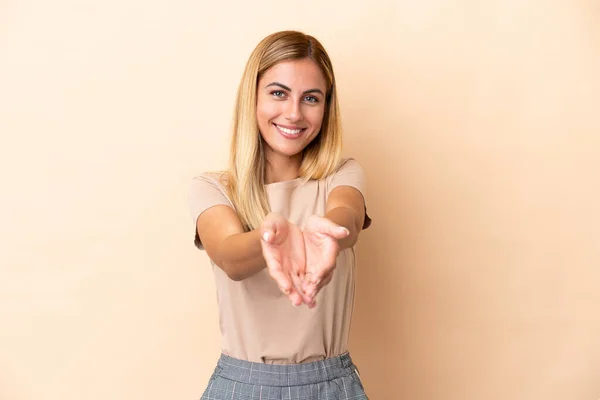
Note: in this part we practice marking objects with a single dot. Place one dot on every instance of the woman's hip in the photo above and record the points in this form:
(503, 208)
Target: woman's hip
(334, 378)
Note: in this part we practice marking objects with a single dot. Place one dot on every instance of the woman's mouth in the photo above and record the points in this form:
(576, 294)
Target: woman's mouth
(290, 133)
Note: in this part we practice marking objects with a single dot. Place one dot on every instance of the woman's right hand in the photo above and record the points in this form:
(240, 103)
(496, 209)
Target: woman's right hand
(284, 252)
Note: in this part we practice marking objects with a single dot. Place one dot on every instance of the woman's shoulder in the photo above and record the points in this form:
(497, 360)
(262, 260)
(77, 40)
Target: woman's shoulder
(219, 178)
(346, 164)
(349, 172)
(209, 183)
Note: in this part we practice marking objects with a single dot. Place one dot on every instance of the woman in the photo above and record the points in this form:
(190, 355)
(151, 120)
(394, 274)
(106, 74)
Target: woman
(280, 227)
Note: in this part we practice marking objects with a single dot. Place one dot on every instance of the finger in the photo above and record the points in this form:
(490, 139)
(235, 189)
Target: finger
(267, 235)
(298, 268)
(274, 229)
(320, 283)
(268, 228)
(318, 276)
(270, 234)
(295, 298)
(284, 283)
(301, 276)
(332, 229)
(298, 286)
(307, 281)
(313, 290)
(275, 268)
(276, 272)
(310, 287)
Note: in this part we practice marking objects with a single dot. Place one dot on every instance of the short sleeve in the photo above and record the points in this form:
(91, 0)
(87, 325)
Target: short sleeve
(205, 192)
(351, 173)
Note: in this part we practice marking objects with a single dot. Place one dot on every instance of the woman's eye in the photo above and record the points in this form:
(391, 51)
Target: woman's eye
(277, 93)
(311, 99)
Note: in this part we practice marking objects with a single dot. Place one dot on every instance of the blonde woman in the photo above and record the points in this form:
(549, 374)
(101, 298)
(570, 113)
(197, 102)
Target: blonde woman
(279, 227)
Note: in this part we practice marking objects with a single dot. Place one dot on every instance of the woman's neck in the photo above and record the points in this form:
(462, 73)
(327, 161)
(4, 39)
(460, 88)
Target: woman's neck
(280, 168)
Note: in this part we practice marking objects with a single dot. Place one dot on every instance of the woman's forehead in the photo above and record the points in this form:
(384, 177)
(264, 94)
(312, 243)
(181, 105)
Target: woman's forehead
(300, 75)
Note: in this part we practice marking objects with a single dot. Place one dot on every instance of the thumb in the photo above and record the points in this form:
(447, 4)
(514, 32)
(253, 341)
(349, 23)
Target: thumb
(332, 229)
(274, 229)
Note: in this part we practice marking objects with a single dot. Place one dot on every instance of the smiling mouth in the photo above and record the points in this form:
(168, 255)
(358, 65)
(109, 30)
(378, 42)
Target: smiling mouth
(287, 132)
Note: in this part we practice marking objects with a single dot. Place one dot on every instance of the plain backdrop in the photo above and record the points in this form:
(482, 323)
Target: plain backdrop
(477, 125)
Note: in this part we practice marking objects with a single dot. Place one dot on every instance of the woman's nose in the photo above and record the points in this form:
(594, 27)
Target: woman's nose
(293, 112)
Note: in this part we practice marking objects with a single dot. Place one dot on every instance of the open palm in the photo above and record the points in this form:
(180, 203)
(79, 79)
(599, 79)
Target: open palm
(321, 248)
(284, 253)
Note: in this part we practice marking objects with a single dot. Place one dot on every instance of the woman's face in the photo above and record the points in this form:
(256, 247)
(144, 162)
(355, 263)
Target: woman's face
(290, 106)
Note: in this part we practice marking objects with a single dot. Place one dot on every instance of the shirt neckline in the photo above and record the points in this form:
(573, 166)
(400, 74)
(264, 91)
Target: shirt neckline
(291, 182)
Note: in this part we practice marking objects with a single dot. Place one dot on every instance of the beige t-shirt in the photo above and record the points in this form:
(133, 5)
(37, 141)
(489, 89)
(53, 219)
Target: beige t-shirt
(259, 323)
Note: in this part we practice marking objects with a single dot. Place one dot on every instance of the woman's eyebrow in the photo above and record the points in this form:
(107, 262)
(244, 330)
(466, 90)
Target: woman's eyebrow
(281, 85)
(313, 91)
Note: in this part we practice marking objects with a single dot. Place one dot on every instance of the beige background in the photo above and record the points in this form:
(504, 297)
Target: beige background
(475, 121)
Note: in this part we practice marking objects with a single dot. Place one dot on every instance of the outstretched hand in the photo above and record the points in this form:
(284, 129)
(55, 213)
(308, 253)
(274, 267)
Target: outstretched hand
(321, 245)
(283, 249)
(301, 262)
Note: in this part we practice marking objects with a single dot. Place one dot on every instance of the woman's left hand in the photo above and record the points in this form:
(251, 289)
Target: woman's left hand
(321, 237)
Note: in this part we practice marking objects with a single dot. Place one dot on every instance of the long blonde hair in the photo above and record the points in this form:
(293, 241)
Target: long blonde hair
(246, 173)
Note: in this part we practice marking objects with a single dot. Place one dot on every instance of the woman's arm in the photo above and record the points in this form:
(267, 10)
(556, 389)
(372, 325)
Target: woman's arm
(242, 254)
(346, 207)
(237, 253)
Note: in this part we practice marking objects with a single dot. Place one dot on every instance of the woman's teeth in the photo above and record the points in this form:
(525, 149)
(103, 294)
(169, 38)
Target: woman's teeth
(289, 131)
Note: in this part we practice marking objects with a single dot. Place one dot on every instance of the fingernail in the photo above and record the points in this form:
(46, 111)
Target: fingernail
(345, 230)
(266, 236)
